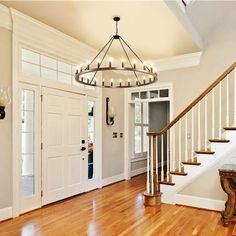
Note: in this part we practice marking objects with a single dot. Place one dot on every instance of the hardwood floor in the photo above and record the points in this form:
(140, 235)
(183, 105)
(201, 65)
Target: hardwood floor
(115, 210)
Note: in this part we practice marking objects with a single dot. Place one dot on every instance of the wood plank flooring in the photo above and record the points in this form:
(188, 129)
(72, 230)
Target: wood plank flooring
(115, 210)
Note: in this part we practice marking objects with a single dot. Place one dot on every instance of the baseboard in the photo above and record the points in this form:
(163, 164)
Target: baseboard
(113, 179)
(5, 213)
(138, 171)
(205, 203)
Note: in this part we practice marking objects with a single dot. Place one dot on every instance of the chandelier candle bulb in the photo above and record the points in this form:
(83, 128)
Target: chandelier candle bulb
(128, 82)
(103, 82)
(110, 64)
(120, 83)
(122, 64)
(98, 65)
(111, 83)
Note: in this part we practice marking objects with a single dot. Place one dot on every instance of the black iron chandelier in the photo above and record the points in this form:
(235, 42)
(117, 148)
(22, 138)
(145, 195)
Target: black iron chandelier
(134, 74)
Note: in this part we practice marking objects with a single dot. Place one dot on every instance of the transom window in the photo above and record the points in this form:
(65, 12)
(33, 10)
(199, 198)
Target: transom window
(39, 65)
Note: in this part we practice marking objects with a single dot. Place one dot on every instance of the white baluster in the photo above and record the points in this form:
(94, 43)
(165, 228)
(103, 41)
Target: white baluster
(220, 118)
(227, 101)
(206, 137)
(157, 164)
(192, 153)
(168, 154)
(180, 153)
(162, 157)
(173, 148)
(235, 97)
(199, 128)
(151, 167)
(213, 113)
(186, 137)
(148, 166)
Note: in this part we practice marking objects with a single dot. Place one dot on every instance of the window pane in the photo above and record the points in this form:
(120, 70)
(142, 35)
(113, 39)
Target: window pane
(27, 143)
(27, 98)
(30, 56)
(144, 95)
(49, 62)
(154, 94)
(27, 124)
(137, 145)
(135, 96)
(30, 69)
(49, 74)
(145, 113)
(145, 139)
(137, 113)
(164, 93)
(64, 67)
(64, 78)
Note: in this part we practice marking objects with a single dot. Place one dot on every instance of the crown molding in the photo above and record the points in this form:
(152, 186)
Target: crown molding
(5, 17)
(178, 62)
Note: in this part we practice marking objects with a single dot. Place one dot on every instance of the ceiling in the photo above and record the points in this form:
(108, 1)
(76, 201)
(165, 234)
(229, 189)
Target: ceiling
(210, 12)
(149, 27)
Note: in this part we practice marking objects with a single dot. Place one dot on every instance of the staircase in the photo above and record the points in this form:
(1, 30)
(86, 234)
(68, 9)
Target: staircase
(194, 141)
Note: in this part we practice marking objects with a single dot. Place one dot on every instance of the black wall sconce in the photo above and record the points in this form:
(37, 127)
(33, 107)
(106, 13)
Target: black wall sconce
(4, 100)
(110, 113)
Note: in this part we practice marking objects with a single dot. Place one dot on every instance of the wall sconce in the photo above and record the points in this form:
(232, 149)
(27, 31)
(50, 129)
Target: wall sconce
(4, 100)
(110, 113)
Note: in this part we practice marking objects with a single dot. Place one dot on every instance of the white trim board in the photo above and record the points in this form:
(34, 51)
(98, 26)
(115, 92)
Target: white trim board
(138, 171)
(5, 213)
(113, 179)
(178, 62)
(5, 17)
(205, 203)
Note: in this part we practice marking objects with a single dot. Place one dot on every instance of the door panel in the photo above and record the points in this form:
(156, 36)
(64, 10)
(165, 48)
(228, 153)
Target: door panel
(64, 127)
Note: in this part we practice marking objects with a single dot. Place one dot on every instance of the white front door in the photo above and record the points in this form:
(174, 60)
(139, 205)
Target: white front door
(64, 155)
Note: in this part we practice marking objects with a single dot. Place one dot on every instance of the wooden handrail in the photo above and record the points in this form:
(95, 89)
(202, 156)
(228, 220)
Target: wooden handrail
(189, 107)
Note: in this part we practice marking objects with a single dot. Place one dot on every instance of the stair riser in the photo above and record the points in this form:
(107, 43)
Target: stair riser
(231, 135)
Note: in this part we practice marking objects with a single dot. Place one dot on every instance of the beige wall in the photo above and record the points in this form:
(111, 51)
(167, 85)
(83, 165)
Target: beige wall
(219, 53)
(5, 125)
(113, 148)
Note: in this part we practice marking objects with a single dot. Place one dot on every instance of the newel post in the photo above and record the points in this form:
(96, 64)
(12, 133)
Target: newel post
(152, 195)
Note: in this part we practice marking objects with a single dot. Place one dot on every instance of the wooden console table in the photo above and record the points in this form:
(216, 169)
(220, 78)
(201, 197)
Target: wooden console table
(228, 182)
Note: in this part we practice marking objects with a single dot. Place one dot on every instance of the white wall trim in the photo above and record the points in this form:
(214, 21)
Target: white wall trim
(205, 203)
(5, 213)
(113, 179)
(178, 62)
(5, 17)
(138, 171)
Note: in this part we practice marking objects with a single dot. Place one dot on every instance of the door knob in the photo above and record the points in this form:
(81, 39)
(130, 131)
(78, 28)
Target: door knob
(83, 149)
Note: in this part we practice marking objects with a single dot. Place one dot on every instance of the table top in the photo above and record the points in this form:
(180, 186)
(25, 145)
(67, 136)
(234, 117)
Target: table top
(228, 168)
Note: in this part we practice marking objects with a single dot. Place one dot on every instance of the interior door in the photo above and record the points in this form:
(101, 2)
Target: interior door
(64, 144)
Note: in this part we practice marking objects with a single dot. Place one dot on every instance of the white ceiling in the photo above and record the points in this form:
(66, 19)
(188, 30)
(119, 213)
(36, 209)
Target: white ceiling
(149, 27)
(205, 15)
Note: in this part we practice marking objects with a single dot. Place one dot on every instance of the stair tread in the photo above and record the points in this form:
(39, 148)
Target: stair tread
(204, 152)
(191, 163)
(166, 183)
(219, 140)
(178, 173)
(230, 128)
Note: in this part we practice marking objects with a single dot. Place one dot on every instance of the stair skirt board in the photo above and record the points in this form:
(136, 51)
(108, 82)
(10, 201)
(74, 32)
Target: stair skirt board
(193, 171)
(199, 202)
